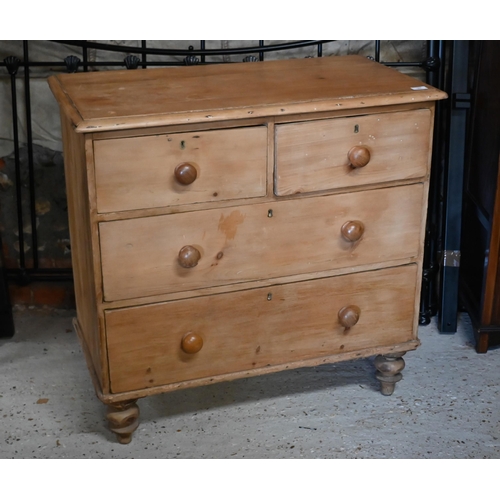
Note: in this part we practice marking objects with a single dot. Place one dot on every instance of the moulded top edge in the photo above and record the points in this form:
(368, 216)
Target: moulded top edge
(113, 100)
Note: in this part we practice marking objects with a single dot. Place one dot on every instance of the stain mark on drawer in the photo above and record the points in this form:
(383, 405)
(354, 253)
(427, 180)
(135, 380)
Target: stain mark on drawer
(229, 225)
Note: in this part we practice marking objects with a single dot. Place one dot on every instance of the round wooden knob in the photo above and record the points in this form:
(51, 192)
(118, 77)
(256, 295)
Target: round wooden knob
(358, 156)
(185, 173)
(191, 343)
(189, 256)
(352, 230)
(349, 316)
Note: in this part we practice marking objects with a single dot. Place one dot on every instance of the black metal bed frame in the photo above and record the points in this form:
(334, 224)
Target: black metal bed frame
(435, 66)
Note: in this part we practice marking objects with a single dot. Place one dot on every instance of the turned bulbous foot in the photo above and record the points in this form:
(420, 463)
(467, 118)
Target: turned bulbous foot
(123, 420)
(389, 368)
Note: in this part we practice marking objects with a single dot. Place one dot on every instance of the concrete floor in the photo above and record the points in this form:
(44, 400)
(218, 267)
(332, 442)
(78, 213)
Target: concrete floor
(446, 406)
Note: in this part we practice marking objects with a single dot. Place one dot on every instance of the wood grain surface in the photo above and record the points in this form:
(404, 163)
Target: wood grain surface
(114, 100)
(313, 156)
(139, 172)
(234, 220)
(255, 328)
(259, 241)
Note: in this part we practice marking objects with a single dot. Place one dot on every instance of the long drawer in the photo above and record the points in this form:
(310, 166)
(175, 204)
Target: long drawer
(149, 256)
(235, 332)
(179, 169)
(354, 151)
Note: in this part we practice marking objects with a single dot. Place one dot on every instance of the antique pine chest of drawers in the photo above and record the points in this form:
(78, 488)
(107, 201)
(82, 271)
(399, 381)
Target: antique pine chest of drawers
(234, 220)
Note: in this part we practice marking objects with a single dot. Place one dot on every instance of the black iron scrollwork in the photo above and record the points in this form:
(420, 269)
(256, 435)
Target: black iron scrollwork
(131, 62)
(72, 63)
(12, 63)
(191, 60)
(432, 64)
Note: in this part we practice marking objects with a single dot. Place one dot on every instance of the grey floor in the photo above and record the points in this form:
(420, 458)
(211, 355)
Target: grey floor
(447, 405)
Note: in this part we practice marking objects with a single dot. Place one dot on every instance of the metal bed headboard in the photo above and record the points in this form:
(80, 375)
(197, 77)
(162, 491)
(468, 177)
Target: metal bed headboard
(28, 267)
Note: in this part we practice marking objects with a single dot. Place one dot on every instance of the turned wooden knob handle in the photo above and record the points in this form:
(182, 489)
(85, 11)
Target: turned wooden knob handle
(189, 256)
(352, 230)
(358, 156)
(349, 316)
(185, 173)
(191, 343)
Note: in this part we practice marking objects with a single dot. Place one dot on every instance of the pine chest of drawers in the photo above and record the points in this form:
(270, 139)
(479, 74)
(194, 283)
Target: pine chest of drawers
(234, 220)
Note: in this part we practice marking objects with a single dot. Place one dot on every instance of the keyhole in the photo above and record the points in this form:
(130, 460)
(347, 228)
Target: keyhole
(183, 144)
(269, 213)
(356, 129)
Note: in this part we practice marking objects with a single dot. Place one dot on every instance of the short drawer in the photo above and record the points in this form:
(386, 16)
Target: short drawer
(187, 251)
(179, 169)
(236, 332)
(319, 155)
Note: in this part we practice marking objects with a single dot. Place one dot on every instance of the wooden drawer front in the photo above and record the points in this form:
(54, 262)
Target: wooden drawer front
(313, 156)
(139, 172)
(245, 330)
(265, 240)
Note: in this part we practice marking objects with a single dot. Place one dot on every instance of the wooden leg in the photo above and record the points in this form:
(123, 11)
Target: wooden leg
(389, 368)
(123, 419)
(482, 342)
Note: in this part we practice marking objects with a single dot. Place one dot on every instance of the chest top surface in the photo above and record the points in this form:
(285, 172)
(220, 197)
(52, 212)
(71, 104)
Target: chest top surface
(114, 100)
